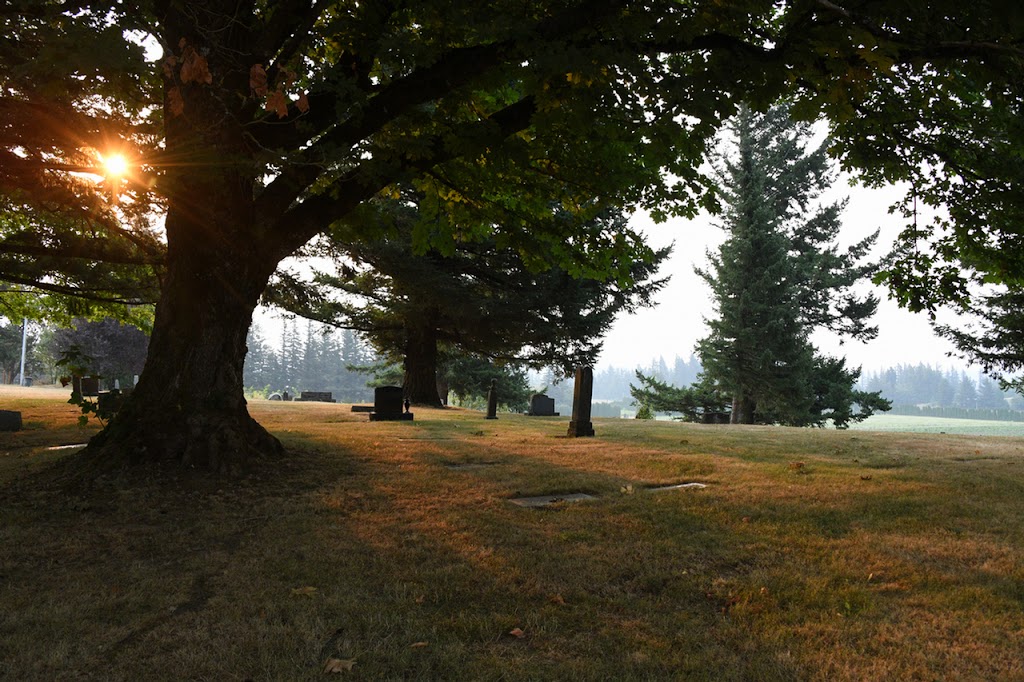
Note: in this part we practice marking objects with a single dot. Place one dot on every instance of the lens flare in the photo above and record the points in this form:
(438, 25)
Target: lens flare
(115, 165)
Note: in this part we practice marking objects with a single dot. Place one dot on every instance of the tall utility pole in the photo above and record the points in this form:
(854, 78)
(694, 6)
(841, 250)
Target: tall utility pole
(24, 338)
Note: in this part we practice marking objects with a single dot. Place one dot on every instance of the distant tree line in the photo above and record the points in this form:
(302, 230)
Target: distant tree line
(923, 385)
(612, 383)
(112, 351)
(913, 389)
(307, 356)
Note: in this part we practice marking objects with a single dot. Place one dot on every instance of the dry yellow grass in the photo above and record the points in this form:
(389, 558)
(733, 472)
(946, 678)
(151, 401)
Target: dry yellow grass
(816, 555)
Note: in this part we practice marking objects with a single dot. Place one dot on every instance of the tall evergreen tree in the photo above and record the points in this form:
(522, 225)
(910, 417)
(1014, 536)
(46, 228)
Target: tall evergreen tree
(779, 276)
(476, 298)
(259, 360)
(995, 336)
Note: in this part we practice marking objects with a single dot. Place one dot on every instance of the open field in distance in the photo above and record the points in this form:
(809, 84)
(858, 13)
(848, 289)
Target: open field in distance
(913, 424)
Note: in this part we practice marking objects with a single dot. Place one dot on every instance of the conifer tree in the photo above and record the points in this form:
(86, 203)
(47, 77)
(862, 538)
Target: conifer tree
(480, 299)
(779, 276)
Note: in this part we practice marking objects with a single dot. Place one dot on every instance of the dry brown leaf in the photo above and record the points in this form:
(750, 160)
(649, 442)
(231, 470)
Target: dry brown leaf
(169, 65)
(418, 645)
(258, 80)
(174, 101)
(557, 599)
(302, 104)
(338, 665)
(277, 102)
(194, 68)
(304, 591)
(517, 633)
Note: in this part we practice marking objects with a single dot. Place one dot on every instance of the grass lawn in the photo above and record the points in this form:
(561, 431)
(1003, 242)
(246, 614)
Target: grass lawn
(391, 551)
(968, 427)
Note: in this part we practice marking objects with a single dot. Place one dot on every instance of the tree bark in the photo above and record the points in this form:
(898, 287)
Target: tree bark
(420, 384)
(742, 410)
(189, 406)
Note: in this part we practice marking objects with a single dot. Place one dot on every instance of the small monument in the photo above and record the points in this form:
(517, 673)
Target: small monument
(10, 420)
(583, 391)
(86, 386)
(492, 400)
(387, 405)
(108, 403)
(542, 406)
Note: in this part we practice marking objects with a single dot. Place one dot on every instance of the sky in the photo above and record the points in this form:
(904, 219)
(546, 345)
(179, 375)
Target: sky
(674, 325)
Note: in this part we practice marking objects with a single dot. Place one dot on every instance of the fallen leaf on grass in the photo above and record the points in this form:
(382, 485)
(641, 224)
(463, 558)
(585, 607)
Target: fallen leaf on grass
(517, 633)
(627, 489)
(303, 591)
(557, 599)
(418, 645)
(337, 665)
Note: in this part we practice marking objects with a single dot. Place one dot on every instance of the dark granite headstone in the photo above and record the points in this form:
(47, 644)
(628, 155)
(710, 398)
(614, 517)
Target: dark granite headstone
(10, 420)
(109, 402)
(542, 406)
(582, 394)
(87, 386)
(387, 405)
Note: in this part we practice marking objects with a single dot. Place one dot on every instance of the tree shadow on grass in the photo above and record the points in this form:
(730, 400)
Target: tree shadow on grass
(375, 552)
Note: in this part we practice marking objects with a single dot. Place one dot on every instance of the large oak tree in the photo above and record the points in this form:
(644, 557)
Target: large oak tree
(263, 123)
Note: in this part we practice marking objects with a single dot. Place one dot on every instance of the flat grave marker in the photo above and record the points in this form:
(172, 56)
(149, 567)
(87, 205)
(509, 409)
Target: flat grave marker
(547, 500)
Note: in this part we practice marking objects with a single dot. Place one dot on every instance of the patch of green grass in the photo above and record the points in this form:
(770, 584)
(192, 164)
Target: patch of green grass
(810, 554)
(915, 424)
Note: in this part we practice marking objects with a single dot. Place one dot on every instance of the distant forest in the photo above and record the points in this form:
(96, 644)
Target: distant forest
(311, 357)
(308, 356)
(913, 389)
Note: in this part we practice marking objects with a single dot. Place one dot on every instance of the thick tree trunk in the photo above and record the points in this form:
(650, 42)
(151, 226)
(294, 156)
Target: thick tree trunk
(421, 365)
(442, 388)
(742, 410)
(189, 406)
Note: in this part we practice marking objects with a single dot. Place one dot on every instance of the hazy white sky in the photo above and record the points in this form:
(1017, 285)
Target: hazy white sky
(673, 326)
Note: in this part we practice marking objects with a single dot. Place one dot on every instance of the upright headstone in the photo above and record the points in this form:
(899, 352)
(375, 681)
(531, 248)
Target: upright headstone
(10, 420)
(86, 386)
(542, 406)
(387, 405)
(582, 394)
(492, 400)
